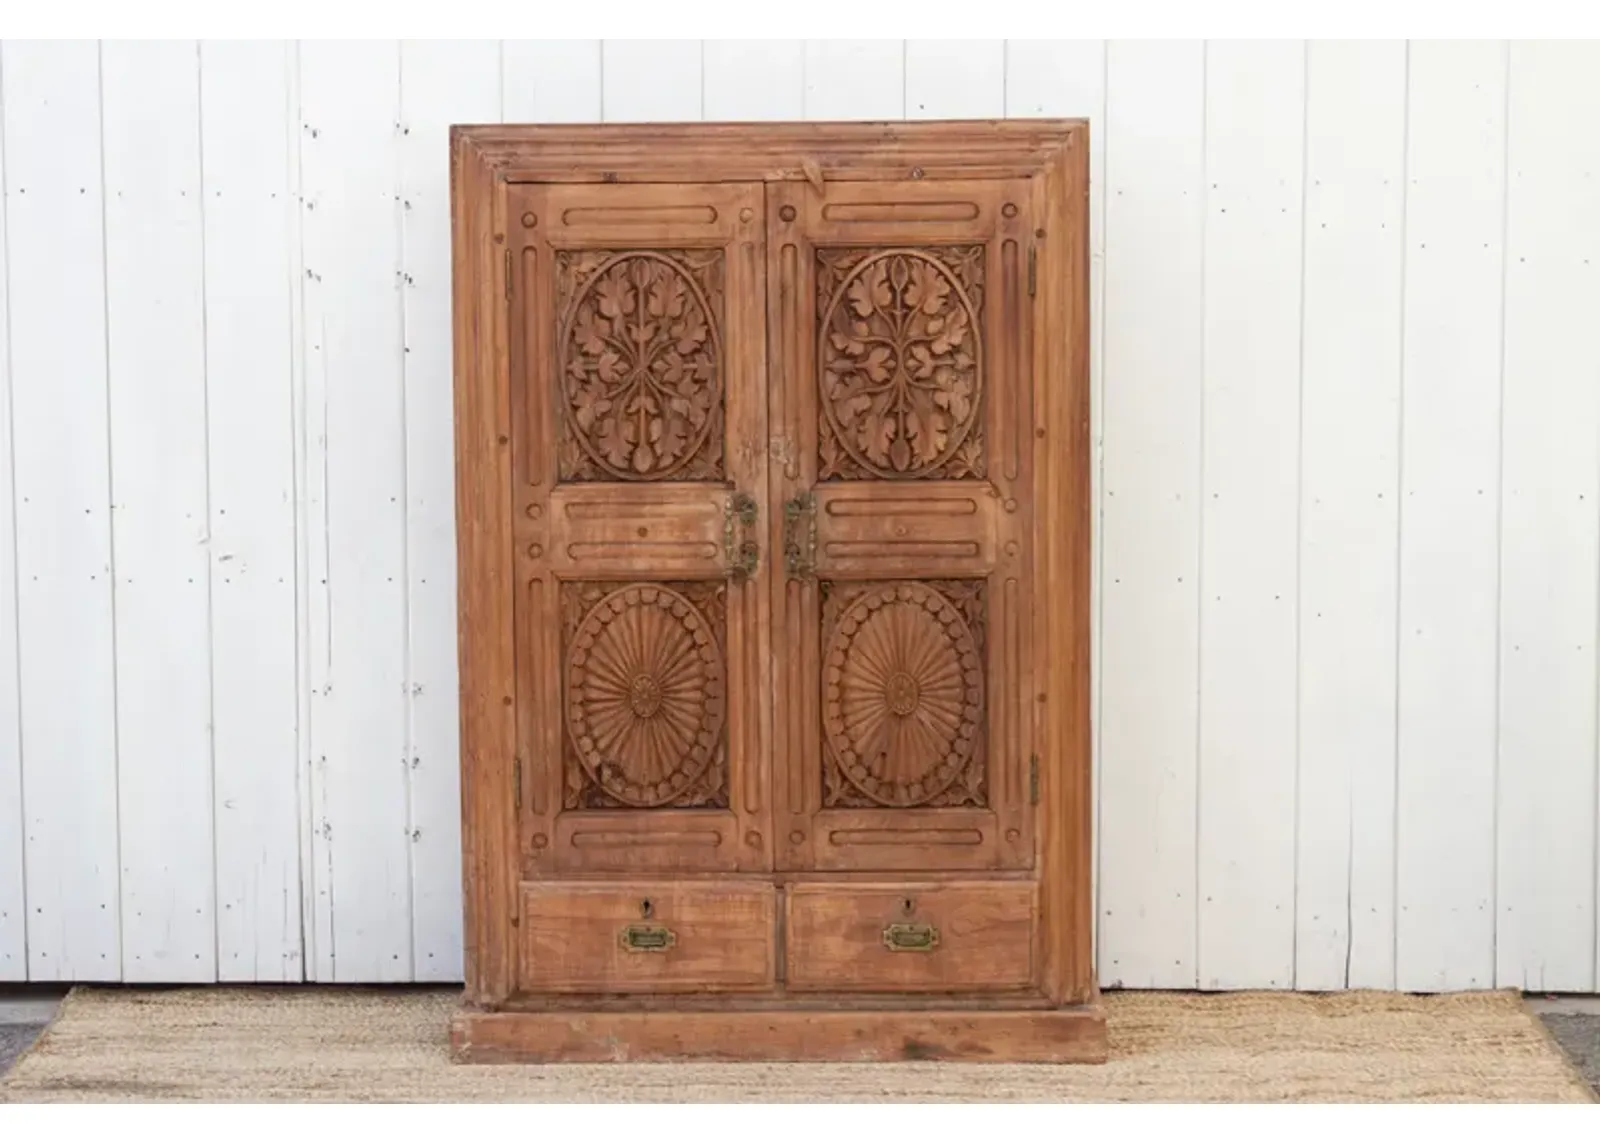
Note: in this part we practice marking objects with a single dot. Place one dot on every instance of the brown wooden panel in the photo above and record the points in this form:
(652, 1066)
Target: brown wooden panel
(648, 937)
(900, 323)
(605, 530)
(1054, 1036)
(968, 936)
(905, 841)
(947, 529)
(638, 379)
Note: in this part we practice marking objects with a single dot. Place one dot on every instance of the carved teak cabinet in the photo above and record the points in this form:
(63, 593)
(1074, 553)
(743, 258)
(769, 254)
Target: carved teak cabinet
(773, 526)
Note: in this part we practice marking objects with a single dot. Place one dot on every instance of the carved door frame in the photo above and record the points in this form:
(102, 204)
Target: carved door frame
(487, 164)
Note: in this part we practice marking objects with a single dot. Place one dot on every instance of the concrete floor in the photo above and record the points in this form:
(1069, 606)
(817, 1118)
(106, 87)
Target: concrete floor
(1574, 1021)
(23, 1014)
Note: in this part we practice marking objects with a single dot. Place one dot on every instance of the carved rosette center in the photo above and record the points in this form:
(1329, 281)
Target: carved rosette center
(902, 694)
(645, 694)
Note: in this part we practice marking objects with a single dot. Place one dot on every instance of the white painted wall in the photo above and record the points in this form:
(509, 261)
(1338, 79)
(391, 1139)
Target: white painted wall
(1347, 414)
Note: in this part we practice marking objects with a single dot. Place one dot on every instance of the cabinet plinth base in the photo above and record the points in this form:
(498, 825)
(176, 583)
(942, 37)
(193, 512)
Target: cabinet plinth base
(1040, 1036)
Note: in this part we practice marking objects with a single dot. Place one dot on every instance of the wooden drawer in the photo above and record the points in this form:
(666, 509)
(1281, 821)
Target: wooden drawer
(648, 937)
(959, 936)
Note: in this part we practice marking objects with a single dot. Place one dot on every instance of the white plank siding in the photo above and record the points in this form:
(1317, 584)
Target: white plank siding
(1346, 455)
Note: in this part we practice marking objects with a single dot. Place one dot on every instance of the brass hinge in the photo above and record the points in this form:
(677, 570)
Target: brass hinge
(516, 783)
(1033, 270)
(509, 288)
(800, 536)
(741, 556)
(1033, 780)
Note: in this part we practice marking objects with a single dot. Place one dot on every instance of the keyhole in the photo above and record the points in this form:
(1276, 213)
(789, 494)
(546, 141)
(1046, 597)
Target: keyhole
(646, 908)
(906, 906)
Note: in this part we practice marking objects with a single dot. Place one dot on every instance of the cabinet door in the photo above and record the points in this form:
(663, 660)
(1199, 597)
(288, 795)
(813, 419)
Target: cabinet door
(638, 387)
(901, 337)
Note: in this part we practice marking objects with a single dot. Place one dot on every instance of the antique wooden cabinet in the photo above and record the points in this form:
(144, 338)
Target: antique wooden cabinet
(773, 518)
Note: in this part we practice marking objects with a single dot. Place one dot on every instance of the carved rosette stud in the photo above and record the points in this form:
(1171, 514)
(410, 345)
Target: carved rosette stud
(645, 695)
(900, 360)
(902, 694)
(640, 369)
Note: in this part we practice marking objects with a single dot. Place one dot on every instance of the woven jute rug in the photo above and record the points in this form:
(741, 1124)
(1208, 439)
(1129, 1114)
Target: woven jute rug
(325, 1044)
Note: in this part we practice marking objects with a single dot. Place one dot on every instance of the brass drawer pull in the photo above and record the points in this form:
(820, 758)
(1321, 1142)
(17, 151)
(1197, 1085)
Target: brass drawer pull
(647, 938)
(902, 936)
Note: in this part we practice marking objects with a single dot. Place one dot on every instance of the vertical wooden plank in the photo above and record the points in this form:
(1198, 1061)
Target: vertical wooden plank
(1150, 530)
(251, 261)
(955, 79)
(1450, 482)
(855, 79)
(1067, 79)
(1255, 155)
(1550, 533)
(754, 79)
(646, 81)
(310, 544)
(156, 361)
(550, 81)
(350, 110)
(54, 225)
(1349, 504)
(13, 893)
(442, 82)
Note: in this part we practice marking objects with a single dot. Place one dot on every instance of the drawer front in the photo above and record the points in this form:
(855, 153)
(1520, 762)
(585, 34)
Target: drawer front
(642, 937)
(966, 936)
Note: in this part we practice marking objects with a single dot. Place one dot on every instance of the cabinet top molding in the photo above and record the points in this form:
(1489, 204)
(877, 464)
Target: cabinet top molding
(767, 152)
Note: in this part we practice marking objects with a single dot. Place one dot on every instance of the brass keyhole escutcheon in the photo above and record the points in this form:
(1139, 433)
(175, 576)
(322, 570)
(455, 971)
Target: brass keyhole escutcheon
(644, 937)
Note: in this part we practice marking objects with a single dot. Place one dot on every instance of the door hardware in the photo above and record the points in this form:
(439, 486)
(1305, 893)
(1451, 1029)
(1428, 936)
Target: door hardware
(741, 556)
(800, 536)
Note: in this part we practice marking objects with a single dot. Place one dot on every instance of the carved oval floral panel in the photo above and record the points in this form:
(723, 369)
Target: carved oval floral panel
(902, 699)
(645, 695)
(900, 361)
(640, 366)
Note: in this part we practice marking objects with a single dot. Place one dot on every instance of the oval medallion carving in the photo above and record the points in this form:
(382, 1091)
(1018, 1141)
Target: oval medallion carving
(645, 694)
(640, 360)
(902, 694)
(900, 359)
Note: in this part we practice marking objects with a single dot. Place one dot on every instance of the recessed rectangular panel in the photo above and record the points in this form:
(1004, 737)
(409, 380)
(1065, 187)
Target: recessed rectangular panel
(946, 528)
(644, 688)
(907, 839)
(900, 365)
(605, 530)
(658, 841)
(641, 363)
(903, 694)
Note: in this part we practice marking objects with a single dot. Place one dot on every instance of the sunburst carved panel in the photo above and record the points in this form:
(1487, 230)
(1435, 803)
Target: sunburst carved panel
(645, 695)
(640, 353)
(903, 694)
(900, 363)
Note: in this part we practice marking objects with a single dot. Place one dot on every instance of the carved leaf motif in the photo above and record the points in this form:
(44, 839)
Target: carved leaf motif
(903, 696)
(899, 360)
(641, 365)
(645, 700)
